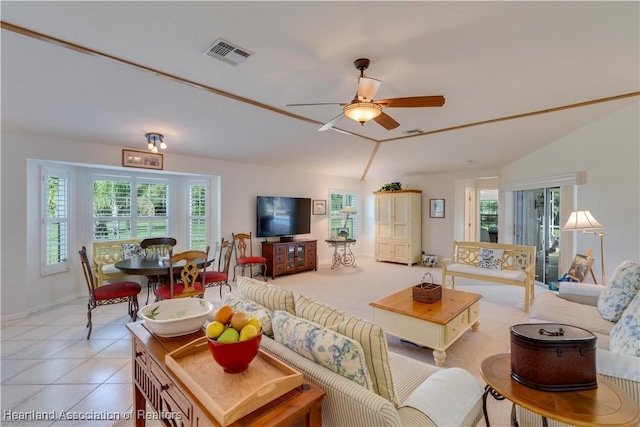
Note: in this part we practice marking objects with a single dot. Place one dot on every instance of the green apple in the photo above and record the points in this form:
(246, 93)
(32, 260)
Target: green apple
(229, 335)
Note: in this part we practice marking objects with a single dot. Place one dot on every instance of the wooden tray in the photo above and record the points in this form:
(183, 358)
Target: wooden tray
(229, 397)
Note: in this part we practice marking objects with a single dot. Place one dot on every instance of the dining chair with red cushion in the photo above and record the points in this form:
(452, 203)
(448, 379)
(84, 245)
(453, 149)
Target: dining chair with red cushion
(190, 275)
(111, 293)
(242, 243)
(221, 276)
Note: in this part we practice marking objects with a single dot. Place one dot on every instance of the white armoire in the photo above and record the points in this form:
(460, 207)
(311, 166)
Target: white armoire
(398, 226)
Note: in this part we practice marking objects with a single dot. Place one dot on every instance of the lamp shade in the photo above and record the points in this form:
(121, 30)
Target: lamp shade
(362, 112)
(581, 220)
(348, 210)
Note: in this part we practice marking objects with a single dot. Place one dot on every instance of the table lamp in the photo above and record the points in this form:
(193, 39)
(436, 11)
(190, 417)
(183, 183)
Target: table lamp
(584, 221)
(347, 210)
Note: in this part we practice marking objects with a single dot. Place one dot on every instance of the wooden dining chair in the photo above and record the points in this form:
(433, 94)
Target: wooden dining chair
(190, 275)
(111, 293)
(220, 277)
(243, 245)
(156, 247)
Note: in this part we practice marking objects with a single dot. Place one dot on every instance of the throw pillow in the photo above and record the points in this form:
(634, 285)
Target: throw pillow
(617, 295)
(132, 250)
(625, 335)
(318, 312)
(239, 303)
(340, 354)
(270, 296)
(490, 258)
(370, 336)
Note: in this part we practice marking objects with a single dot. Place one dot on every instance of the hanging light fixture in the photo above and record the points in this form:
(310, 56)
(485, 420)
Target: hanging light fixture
(362, 112)
(154, 140)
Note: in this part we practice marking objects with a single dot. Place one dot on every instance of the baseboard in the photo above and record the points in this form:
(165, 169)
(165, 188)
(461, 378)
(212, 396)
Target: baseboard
(21, 315)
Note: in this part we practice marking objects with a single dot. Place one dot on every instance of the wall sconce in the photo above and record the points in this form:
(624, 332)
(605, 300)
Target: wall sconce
(152, 141)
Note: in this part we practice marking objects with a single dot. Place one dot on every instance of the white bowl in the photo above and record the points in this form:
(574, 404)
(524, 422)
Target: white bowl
(175, 317)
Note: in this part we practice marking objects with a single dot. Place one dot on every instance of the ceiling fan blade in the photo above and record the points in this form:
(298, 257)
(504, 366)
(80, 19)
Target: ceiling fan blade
(332, 122)
(386, 121)
(367, 88)
(316, 103)
(412, 101)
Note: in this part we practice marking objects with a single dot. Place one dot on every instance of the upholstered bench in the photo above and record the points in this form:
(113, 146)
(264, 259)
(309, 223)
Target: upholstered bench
(493, 262)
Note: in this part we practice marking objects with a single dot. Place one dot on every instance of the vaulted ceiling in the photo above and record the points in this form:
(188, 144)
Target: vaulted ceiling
(515, 75)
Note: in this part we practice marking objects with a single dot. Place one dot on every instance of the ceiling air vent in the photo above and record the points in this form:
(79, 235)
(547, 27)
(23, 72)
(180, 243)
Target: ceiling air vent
(413, 132)
(227, 52)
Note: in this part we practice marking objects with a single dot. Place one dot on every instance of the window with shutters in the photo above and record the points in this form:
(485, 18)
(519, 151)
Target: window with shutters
(197, 203)
(55, 221)
(337, 219)
(114, 199)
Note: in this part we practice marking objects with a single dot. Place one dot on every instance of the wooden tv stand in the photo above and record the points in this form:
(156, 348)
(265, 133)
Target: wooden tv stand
(290, 257)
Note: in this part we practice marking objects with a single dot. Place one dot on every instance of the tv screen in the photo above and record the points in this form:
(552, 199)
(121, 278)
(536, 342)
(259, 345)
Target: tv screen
(283, 216)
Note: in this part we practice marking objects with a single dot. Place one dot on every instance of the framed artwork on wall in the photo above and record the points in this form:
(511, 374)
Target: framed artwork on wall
(319, 207)
(436, 208)
(142, 159)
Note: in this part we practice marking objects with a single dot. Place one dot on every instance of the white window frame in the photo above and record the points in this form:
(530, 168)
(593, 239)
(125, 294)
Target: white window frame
(133, 217)
(335, 215)
(191, 217)
(64, 264)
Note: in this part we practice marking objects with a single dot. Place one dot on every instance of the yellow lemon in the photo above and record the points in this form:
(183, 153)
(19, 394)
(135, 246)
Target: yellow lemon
(255, 322)
(248, 332)
(214, 329)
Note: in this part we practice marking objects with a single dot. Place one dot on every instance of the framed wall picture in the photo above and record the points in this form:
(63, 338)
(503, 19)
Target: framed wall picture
(436, 208)
(319, 207)
(142, 159)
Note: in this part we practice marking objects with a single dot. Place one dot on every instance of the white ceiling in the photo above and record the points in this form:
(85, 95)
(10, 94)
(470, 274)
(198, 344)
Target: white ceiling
(488, 59)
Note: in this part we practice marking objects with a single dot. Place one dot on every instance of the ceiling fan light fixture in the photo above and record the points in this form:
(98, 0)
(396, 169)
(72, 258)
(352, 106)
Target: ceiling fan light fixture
(362, 112)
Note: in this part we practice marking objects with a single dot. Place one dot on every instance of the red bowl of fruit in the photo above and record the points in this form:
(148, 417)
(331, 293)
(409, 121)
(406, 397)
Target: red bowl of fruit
(234, 357)
(234, 340)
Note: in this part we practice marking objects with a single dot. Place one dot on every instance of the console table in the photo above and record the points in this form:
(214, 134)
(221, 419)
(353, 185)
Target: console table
(342, 254)
(177, 406)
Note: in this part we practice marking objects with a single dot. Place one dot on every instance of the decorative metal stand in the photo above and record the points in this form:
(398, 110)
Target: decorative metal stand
(342, 254)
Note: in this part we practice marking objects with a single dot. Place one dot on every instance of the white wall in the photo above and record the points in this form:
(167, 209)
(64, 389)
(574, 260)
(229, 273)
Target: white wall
(608, 151)
(24, 290)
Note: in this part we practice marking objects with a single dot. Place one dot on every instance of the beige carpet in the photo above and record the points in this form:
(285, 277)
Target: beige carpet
(351, 289)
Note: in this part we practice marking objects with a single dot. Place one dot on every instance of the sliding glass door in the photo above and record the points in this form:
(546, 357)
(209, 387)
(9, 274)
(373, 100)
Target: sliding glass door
(537, 223)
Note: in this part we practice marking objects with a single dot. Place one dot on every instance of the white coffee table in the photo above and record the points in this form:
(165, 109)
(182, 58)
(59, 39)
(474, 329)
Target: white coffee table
(436, 325)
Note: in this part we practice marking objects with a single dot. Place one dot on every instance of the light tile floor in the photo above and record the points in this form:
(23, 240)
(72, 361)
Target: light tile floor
(49, 368)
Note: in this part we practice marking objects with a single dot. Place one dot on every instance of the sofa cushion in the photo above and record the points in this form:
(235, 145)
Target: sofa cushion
(270, 296)
(132, 250)
(625, 336)
(239, 303)
(323, 346)
(517, 275)
(617, 295)
(490, 258)
(318, 312)
(370, 336)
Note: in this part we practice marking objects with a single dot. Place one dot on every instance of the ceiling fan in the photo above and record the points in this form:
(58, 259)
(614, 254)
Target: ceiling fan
(363, 107)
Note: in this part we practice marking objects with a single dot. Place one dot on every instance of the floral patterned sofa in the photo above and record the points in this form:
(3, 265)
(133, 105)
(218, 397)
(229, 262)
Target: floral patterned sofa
(347, 357)
(612, 313)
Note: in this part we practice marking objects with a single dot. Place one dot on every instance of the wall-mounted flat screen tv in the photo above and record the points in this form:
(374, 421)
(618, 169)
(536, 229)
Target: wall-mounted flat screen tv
(283, 216)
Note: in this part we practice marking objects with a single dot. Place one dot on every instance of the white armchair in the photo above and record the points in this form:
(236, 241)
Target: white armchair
(577, 304)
